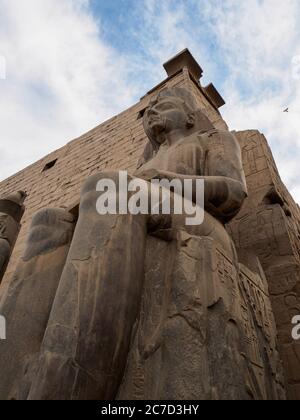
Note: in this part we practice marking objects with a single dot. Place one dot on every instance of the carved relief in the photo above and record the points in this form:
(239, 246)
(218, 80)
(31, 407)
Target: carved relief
(209, 318)
(268, 226)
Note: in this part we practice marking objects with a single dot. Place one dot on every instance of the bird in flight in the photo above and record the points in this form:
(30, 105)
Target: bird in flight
(286, 110)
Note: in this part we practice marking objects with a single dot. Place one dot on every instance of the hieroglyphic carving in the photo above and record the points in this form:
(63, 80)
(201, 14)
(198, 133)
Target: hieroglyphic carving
(264, 231)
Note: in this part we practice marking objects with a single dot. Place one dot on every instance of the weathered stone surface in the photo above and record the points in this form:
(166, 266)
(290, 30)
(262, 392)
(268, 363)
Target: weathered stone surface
(206, 328)
(86, 344)
(11, 212)
(266, 233)
(116, 144)
(28, 302)
(269, 227)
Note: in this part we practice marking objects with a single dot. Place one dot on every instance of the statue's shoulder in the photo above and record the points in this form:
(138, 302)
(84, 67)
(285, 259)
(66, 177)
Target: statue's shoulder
(216, 137)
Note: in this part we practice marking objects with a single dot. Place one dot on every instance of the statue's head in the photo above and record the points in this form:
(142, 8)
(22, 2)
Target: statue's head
(173, 109)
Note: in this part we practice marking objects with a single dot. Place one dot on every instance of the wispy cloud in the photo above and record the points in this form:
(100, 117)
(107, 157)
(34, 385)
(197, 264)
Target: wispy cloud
(61, 78)
(248, 49)
(259, 40)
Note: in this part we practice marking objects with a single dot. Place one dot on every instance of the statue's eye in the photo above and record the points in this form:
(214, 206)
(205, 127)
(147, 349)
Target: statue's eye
(165, 106)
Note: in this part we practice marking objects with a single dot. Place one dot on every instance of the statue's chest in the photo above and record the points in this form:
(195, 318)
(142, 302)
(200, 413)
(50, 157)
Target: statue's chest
(186, 158)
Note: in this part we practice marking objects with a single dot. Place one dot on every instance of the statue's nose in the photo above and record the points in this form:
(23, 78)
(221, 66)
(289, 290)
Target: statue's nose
(152, 111)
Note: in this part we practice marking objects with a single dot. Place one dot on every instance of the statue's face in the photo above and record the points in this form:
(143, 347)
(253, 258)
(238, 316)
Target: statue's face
(165, 114)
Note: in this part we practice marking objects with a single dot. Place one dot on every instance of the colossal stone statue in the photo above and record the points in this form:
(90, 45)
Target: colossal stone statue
(87, 340)
(11, 212)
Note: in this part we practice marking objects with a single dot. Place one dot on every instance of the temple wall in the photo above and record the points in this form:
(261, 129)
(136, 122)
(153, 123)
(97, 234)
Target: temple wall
(268, 226)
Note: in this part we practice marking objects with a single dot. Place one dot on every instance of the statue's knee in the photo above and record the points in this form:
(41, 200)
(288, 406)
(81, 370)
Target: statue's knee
(51, 217)
(4, 250)
(109, 181)
(50, 229)
(98, 183)
(92, 181)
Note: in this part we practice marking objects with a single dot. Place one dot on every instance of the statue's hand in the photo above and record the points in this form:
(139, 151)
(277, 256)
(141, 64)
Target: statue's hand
(150, 174)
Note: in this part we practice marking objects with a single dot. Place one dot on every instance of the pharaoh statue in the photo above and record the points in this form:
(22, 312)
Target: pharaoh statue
(96, 345)
(86, 343)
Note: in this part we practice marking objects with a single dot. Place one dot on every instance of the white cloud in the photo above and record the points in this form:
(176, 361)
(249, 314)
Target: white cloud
(259, 40)
(257, 34)
(60, 78)
(249, 46)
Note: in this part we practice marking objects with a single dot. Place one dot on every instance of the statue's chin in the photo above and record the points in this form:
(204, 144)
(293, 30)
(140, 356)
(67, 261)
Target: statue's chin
(157, 128)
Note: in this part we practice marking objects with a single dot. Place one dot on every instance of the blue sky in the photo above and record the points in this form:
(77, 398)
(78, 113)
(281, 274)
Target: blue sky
(116, 18)
(71, 64)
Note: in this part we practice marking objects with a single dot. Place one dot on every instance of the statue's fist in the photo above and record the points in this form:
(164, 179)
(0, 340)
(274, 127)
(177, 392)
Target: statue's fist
(149, 174)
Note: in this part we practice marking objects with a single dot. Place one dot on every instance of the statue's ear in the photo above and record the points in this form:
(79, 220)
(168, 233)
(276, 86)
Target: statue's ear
(191, 120)
(147, 155)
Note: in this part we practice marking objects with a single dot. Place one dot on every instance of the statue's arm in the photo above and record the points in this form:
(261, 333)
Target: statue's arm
(225, 182)
(224, 179)
(224, 196)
